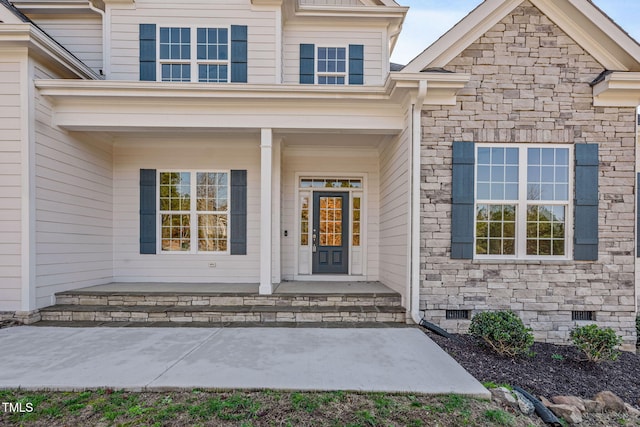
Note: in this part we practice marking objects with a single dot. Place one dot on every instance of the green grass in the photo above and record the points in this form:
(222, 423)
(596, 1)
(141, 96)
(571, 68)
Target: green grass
(499, 417)
(262, 408)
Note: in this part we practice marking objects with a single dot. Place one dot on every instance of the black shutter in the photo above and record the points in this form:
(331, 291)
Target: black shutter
(356, 64)
(462, 188)
(148, 52)
(585, 246)
(239, 54)
(238, 212)
(307, 64)
(147, 211)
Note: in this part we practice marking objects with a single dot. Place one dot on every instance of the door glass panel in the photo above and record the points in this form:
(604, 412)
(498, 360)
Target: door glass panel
(304, 221)
(330, 221)
(356, 221)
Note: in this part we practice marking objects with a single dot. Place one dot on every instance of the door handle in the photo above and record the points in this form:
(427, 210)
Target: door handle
(314, 239)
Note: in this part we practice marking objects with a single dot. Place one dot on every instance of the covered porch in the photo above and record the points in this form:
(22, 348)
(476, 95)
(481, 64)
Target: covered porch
(325, 184)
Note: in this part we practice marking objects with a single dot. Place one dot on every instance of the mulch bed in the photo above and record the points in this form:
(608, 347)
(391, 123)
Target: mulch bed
(553, 370)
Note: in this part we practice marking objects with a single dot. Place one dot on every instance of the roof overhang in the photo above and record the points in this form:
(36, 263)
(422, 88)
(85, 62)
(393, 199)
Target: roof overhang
(41, 46)
(618, 89)
(117, 106)
(613, 48)
(56, 7)
(442, 88)
(388, 14)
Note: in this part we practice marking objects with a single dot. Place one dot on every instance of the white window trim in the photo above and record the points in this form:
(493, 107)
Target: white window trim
(521, 212)
(193, 213)
(193, 47)
(344, 74)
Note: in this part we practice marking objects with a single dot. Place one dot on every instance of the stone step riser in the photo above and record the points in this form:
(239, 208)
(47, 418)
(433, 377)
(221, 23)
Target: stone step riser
(216, 317)
(253, 300)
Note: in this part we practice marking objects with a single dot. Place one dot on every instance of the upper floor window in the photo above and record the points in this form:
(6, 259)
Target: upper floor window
(332, 65)
(213, 55)
(193, 54)
(175, 54)
(522, 201)
(211, 59)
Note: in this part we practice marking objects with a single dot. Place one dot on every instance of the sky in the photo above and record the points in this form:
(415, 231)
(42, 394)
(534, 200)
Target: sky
(427, 20)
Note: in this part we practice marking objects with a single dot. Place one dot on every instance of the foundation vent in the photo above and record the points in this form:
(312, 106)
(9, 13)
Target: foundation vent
(458, 314)
(583, 315)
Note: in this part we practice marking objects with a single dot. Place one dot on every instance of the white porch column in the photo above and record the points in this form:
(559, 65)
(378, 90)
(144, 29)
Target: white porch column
(266, 237)
(276, 209)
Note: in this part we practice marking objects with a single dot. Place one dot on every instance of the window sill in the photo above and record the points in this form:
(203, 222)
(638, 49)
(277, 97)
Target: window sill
(524, 261)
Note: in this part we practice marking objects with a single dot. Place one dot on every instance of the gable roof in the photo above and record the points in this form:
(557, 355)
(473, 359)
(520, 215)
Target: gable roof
(581, 20)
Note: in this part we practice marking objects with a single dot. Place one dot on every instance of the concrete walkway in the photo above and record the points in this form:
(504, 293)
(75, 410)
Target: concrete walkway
(385, 360)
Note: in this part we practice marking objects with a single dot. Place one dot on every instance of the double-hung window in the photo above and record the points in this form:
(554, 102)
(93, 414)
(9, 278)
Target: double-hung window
(205, 59)
(522, 207)
(194, 211)
(175, 54)
(332, 65)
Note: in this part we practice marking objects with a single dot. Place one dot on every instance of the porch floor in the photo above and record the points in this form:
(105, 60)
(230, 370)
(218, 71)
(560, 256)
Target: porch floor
(284, 288)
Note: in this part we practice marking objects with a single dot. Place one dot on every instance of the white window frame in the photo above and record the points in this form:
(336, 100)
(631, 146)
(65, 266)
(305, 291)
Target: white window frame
(344, 74)
(193, 212)
(521, 205)
(193, 62)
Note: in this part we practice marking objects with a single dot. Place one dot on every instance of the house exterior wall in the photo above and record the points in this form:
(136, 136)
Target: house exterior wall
(12, 75)
(394, 213)
(182, 152)
(530, 84)
(331, 3)
(125, 51)
(73, 205)
(80, 34)
(342, 162)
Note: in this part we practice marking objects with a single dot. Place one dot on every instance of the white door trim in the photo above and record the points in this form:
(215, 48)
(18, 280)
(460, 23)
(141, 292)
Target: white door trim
(363, 224)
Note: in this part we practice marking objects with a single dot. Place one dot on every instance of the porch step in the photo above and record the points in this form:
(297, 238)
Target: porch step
(223, 313)
(132, 298)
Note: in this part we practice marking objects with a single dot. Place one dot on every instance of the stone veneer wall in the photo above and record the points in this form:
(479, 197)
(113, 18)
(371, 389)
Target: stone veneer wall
(530, 84)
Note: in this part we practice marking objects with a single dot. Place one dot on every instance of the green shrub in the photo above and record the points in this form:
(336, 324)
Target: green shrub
(503, 331)
(597, 343)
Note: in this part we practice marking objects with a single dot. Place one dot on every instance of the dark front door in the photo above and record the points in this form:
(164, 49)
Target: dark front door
(330, 233)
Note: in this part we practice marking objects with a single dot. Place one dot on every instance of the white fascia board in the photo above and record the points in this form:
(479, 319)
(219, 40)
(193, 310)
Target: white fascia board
(618, 89)
(442, 88)
(41, 45)
(131, 89)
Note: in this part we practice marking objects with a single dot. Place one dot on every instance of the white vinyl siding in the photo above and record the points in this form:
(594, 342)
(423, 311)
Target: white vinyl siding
(11, 188)
(81, 35)
(341, 163)
(394, 213)
(74, 218)
(331, 3)
(182, 152)
(261, 32)
(375, 62)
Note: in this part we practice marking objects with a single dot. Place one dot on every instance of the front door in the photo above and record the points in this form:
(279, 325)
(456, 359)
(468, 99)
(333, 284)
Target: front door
(330, 233)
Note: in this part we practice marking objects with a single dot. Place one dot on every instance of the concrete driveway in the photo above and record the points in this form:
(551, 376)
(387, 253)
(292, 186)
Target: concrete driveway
(384, 360)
